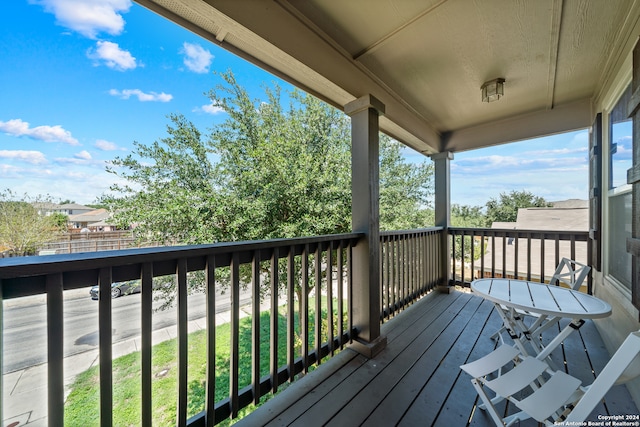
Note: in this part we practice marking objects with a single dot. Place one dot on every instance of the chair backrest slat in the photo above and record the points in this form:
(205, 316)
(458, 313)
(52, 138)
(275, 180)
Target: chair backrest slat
(571, 273)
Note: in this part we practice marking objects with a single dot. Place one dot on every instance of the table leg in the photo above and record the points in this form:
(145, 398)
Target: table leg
(575, 324)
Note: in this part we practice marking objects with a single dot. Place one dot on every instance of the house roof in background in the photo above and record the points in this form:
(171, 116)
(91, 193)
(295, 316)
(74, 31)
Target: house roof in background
(92, 216)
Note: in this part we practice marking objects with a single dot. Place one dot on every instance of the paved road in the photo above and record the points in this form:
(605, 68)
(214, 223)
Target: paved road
(25, 327)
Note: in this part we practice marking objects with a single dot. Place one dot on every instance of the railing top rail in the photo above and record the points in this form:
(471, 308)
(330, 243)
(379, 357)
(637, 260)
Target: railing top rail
(23, 276)
(412, 231)
(511, 232)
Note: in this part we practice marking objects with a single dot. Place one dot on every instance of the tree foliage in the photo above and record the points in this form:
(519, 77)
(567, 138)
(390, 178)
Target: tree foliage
(270, 170)
(405, 189)
(467, 216)
(22, 228)
(505, 207)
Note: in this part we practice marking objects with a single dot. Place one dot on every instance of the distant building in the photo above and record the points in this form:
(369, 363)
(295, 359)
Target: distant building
(567, 215)
(46, 208)
(93, 220)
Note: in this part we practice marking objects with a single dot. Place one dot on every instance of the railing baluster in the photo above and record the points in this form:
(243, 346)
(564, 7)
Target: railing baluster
(235, 335)
(210, 279)
(255, 329)
(350, 289)
(493, 258)
(482, 248)
(403, 269)
(183, 348)
(453, 257)
(318, 309)
(340, 263)
(472, 240)
(516, 253)
(330, 299)
(393, 295)
(55, 340)
(462, 257)
(381, 278)
(146, 329)
(274, 320)
(291, 339)
(414, 269)
(304, 316)
(104, 332)
(504, 256)
(542, 255)
(529, 253)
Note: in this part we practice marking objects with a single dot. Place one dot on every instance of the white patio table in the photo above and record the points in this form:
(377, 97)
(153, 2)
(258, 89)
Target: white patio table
(548, 303)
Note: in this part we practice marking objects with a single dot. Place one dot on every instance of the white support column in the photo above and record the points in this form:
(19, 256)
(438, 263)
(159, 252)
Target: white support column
(442, 162)
(364, 114)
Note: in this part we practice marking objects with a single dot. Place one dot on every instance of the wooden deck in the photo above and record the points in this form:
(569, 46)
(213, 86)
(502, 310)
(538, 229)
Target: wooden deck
(416, 380)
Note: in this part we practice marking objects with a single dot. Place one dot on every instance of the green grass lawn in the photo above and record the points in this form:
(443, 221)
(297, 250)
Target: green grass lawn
(82, 406)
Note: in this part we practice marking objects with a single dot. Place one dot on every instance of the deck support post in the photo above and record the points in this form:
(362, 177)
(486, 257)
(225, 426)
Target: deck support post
(364, 113)
(442, 163)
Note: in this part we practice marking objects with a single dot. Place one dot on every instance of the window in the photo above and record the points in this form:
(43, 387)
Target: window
(619, 206)
(620, 142)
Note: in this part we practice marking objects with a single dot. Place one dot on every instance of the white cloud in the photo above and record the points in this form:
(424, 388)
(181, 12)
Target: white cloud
(196, 58)
(105, 145)
(33, 157)
(88, 17)
(210, 109)
(83, 155)
(112, 56)
(142, 96)
(17, 127)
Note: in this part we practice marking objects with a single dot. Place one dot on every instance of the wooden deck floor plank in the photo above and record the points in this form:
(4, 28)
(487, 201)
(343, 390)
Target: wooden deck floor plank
(303, 390)
(326, 387)
(417, 377)
(412, 378)
(346, 393)
(458, 407)
(414, 314)
(425, 400)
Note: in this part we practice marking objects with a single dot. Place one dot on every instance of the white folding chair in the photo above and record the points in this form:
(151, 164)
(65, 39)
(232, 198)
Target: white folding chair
(541, 393)
(571, 273)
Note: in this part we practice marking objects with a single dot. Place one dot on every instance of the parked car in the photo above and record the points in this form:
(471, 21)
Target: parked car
(118, 289)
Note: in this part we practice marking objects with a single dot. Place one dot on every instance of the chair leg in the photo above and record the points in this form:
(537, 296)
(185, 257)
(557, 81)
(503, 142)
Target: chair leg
(498, 334)
(487, 403)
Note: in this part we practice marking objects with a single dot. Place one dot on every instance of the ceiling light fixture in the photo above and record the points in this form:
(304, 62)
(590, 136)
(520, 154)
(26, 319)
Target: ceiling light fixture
(492, 90)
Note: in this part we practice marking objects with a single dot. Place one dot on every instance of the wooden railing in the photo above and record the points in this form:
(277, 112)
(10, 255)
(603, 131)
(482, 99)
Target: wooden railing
(410, 266)
(308, 278)
(527, 254)
(319, 266)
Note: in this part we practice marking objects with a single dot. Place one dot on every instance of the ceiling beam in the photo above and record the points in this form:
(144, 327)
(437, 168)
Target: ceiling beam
(562, 118)
(395, 31)
(556, 24)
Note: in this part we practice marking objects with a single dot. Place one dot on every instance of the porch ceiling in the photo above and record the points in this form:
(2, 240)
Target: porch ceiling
(426, 60)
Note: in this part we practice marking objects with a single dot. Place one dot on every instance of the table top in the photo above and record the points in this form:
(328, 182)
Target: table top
(541, 298)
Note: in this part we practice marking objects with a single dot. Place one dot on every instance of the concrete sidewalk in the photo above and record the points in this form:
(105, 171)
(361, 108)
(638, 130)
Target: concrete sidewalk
(25, 391)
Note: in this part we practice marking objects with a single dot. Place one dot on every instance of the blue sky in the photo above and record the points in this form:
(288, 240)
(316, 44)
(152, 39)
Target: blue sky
(81, 80)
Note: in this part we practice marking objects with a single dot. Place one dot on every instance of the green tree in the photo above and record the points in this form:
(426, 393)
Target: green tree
(467, 216)
(59, 220)
(22, 228)
(405, 189)
(268, 171)
(505, 208)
